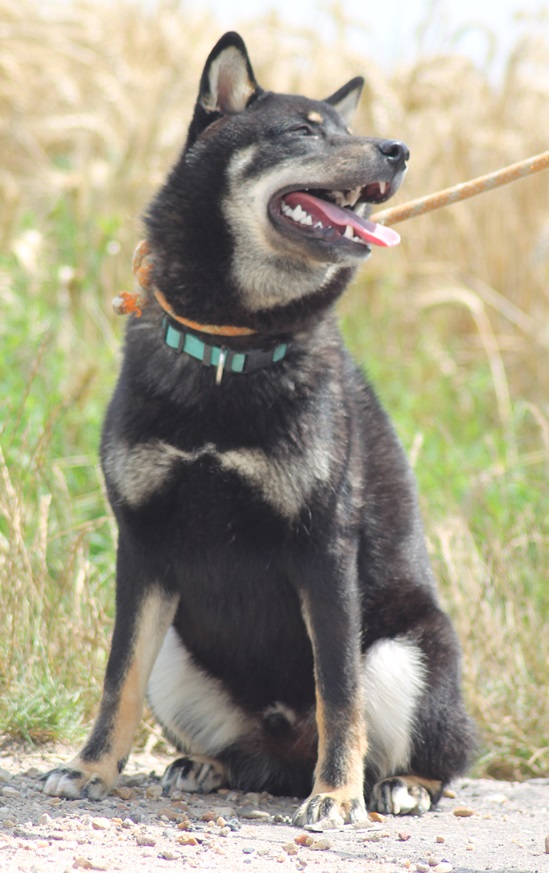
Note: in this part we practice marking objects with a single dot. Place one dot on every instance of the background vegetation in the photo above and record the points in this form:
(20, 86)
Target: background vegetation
(453, 328)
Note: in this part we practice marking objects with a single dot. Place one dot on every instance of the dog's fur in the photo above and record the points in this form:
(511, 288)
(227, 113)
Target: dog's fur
(273, 587)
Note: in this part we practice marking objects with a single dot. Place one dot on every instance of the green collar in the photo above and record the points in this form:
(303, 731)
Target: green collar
(185, 341)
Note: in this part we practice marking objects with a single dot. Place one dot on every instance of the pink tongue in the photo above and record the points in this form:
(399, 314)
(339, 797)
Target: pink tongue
(331, 215)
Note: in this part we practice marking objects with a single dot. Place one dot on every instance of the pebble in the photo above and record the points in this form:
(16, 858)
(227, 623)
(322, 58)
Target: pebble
(443, 867)
(449, 792)
(250, 812)
(187, 841)
(10, 791)
(5, 775)
(45, 819)
(144, 840)
(320, 845)
(403, 836)
(440, 839)
(153, 792)
(290, 848)
(124, 793)
(463, 811)
(33, 773)
(101, 824)
(547, 844)
(433, 861)
(423, 867)
(376, 816)
(166, 855)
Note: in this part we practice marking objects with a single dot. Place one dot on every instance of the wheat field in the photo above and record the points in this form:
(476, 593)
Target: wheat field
(453, 328)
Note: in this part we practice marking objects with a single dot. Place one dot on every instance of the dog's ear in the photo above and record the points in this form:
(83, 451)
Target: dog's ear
(346, 99)
(228, 81)
(227, 85)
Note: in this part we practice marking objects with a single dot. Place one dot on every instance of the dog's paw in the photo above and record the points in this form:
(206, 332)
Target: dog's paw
(79, 779)
(194, 774)
(333, 807)
(396, 796)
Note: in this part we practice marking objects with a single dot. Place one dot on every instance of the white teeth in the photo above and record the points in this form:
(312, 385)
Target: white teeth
(298, 214)
(382, 187)
(349, 232)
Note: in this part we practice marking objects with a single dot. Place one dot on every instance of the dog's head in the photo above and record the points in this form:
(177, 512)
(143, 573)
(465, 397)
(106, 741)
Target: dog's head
(265, 213)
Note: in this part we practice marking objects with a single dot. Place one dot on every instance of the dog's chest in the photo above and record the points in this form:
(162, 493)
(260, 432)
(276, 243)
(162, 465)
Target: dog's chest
(283, 475)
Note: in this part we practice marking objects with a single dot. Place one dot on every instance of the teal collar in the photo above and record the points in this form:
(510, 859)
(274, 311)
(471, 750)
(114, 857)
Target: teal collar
(225, 360)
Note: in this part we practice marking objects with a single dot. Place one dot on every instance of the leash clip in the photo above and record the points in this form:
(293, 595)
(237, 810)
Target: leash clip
(220, 366)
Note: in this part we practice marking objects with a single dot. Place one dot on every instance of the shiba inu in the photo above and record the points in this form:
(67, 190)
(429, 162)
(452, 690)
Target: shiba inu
(274, 599)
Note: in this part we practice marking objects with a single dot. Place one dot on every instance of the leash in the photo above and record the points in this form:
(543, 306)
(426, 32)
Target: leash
(463, 191)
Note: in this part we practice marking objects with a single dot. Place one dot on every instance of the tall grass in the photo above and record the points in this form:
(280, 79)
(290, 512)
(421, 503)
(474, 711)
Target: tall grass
(452, 327)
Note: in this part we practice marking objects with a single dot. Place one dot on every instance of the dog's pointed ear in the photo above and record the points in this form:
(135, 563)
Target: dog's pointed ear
(346, 99)
(228, 82)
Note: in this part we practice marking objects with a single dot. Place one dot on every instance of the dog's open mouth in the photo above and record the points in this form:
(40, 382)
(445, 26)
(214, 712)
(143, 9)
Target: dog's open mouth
(335, 216)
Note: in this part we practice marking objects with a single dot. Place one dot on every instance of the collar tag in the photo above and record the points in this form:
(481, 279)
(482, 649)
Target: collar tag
(220, 365)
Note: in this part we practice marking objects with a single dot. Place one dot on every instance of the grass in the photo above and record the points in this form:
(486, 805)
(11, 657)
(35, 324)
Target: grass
(452, 328)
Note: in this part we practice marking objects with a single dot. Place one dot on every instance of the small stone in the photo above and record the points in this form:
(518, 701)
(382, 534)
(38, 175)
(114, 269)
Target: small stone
(153, 792)
(304, 840)
(290, 848)
(124, 793)
(184, 824)
(170, 814)
(128, 823)
(5, 775)
(449, 792)
(10, 791)
(144, 840)
(440, 839)
(187, 841)
(497, 798)
(250, 812)
(281, 859)
(376, 816)
(209, 815)
(221, 822)
(547, 844)
(45, 819)
(404, 836)
(443, 867)
(463, 811)
(320, 845)
(433, 861)
(82, 863)
(224, 832)
(33, 773)
(248, 850)
(101, 824)
(422, 867)
(166, 855)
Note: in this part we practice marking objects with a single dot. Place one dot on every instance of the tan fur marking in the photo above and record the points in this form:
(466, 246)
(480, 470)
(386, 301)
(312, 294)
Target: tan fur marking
(156, 615)
(315, 117)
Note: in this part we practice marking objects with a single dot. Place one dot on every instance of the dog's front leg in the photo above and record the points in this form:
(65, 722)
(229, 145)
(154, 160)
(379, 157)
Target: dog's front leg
(332, 617)
(140, 627)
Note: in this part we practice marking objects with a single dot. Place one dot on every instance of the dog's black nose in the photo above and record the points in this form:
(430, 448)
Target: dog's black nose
(395, 150)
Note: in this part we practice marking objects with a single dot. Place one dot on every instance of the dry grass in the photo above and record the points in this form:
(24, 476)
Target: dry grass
(94, 98)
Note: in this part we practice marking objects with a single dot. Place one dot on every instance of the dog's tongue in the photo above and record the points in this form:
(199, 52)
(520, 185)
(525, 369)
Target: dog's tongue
(331, 215)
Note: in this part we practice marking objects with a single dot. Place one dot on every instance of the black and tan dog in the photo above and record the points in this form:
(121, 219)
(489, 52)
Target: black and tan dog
(274, 595)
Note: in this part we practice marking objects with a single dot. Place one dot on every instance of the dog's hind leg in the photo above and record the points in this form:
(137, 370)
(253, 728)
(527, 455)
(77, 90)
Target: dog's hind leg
(420, 736)
(140, 627)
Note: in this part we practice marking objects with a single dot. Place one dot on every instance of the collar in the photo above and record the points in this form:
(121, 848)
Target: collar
(185, 341)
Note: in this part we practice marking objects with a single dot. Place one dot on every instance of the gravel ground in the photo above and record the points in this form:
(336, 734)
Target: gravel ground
(480, 825)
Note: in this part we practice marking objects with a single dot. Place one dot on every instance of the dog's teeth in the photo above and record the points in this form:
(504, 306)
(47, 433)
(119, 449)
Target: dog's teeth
(307, 220)
(319, 224)
(382, 187)
(349, 233)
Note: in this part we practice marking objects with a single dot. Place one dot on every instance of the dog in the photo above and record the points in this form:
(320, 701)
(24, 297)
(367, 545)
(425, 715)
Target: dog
(274, 597)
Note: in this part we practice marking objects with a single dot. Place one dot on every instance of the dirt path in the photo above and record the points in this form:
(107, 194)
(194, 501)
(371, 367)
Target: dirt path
(496, 826)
